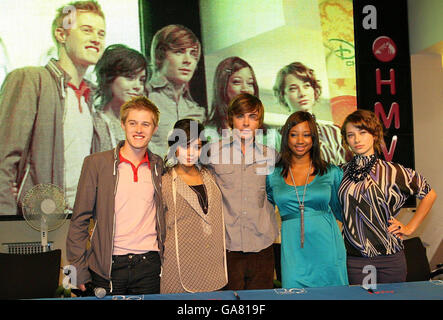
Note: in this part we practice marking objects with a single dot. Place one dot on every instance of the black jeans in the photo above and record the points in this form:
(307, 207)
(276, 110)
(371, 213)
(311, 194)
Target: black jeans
(132, 274)
(250, 270)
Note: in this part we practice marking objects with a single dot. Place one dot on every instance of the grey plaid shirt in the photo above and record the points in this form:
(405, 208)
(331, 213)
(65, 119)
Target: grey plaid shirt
(250, 219)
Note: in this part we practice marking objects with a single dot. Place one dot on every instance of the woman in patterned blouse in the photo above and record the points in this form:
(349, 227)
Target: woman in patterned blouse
(194, 259)
(372, 193)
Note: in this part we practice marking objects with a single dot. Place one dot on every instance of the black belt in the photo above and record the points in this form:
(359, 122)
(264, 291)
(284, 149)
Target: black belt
(133, 258)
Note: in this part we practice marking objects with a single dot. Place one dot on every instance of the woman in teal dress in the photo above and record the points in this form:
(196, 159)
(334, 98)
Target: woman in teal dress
(313, 252)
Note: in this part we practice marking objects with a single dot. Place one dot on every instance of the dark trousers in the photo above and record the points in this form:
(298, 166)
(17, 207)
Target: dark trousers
(389, 269)
(277, 260)
(132, 274)
(250, 270)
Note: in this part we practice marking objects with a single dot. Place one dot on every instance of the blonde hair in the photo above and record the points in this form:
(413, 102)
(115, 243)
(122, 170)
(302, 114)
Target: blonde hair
(139, 103)
(63, 12)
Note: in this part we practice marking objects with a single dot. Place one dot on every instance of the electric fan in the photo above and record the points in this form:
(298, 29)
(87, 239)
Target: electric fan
(44, 209)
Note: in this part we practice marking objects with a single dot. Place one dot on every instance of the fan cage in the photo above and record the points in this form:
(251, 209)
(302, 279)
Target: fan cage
(35, 224)
(33, 199)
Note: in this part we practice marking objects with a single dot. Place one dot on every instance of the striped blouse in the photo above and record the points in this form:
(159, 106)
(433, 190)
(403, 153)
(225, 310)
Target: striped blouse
(370, 203)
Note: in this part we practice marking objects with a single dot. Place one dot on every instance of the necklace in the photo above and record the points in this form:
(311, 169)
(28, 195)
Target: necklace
(360, 166)
(301, 204)
(202, 196)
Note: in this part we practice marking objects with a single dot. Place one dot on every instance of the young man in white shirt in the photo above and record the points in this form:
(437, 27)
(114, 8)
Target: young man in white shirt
(46, 115)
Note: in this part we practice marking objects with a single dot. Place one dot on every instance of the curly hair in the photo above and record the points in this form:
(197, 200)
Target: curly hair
(300, 71)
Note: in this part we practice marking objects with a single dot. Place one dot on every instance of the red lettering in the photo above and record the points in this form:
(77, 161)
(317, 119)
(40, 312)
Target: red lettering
(394, 113)
(379, 82)
(381, 292)
(389, 154)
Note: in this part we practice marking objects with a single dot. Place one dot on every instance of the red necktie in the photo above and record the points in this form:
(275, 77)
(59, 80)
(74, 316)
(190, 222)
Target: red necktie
(83, 90)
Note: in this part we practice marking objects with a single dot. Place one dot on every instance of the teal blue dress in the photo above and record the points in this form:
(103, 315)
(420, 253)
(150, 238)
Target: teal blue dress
(322, 260)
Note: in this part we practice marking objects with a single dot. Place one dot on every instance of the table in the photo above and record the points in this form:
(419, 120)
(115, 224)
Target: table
(423, 290)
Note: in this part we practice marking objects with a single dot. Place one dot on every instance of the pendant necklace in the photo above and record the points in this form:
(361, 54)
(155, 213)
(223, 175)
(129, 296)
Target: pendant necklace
(202, 198)
(301, 204)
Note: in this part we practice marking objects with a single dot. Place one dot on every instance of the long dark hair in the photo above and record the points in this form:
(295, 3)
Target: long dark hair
(182, 135)
(220, 100)
(320, 166)
(117, 60)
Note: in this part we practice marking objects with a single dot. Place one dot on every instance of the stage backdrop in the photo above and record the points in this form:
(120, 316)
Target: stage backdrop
(268, 34)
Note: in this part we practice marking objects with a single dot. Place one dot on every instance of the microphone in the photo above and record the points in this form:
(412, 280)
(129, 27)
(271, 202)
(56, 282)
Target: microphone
(91, 290)
(99, 292)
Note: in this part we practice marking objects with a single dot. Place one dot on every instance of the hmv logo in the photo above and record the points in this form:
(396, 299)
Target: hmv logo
(384, 49)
